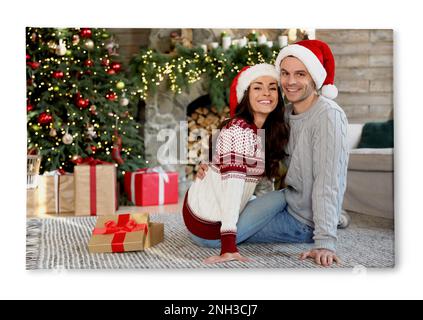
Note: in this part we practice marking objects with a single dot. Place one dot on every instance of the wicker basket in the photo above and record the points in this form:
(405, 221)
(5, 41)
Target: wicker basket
(32, 171)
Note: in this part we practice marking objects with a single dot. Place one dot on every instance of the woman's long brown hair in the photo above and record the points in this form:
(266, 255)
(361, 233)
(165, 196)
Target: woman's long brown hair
(276, 131)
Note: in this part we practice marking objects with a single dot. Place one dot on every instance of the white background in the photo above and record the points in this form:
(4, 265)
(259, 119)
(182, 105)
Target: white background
(405, 281)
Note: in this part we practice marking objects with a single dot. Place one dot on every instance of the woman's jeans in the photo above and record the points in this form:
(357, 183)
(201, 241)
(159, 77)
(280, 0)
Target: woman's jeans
(266, 220)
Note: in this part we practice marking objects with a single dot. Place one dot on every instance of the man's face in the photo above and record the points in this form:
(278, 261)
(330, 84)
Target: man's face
(296, 81)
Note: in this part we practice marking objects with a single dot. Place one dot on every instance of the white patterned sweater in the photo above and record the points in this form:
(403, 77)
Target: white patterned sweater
(237, 166)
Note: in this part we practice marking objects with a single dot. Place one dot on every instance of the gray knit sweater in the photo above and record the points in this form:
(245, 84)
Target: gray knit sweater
(317, 162)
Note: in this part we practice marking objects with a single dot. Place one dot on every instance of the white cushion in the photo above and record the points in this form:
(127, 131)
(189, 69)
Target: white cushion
(354, 135)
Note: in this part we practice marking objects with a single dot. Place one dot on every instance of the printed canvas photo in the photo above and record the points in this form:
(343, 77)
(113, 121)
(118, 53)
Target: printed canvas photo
(209, 148)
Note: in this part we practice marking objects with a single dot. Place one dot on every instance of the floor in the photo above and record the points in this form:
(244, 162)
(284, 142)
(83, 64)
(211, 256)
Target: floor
(368, 242)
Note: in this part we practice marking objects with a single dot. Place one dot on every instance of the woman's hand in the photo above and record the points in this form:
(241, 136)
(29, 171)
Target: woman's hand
(201, 173)
(228, 256)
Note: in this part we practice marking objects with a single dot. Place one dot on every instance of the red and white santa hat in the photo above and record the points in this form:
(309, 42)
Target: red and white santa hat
(318, 58)
(243, 80)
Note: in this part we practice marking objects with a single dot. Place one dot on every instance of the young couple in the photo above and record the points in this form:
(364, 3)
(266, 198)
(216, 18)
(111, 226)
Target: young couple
(308, 134)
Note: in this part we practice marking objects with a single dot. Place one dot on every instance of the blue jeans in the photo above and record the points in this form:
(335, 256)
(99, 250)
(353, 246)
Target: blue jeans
(266, 220)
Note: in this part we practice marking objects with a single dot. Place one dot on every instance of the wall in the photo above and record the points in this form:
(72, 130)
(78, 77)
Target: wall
(364, 63)
(364, 71)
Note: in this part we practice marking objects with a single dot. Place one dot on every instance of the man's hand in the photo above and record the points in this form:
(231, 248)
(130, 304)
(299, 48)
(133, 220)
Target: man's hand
(228, 256)
(322, 257)
(201, 173)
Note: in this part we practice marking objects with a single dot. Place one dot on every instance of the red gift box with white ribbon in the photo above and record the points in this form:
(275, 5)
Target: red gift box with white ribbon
(151, 187)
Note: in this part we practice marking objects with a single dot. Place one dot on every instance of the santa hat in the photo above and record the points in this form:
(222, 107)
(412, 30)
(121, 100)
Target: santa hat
(318, 58)
(243, 80)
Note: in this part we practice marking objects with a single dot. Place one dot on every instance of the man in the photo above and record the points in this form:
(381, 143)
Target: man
(309, 209)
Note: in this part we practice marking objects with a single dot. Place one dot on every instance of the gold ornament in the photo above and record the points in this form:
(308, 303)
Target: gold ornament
(89, 44)
(120, 85)
(53, 132)
(67, 139)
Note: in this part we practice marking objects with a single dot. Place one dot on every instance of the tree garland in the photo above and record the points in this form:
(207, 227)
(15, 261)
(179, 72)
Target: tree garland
(218, 67)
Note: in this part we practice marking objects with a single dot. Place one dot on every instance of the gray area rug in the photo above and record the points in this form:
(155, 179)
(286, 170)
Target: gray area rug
(61, 243)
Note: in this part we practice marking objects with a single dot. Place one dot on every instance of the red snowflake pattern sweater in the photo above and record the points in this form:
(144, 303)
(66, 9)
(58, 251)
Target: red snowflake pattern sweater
(212, 205)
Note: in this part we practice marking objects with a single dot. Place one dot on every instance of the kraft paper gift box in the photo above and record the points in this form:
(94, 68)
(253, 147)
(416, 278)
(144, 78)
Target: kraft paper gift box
(32, 202)
(124, 233)
(56, 193)
(95, 188)
(151, 187)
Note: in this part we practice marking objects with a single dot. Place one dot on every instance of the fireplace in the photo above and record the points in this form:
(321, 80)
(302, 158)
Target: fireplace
(202, 119)
(164, 110)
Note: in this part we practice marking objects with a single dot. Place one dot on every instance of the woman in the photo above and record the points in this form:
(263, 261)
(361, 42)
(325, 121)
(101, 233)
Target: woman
(241, 158)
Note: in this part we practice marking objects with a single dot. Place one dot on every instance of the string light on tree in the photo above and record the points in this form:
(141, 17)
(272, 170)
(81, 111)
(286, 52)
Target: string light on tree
(67, 81)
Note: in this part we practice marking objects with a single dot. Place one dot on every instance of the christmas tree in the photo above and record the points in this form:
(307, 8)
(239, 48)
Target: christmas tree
(80, 102)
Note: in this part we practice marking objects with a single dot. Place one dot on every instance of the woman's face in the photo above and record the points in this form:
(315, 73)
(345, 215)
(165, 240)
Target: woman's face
(263, 95)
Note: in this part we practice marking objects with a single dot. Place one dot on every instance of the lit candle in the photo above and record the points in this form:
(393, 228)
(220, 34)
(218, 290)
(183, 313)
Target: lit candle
(269, 44)
(214, 45)
(311, 33)
(204, 47)
(262, 39)
(226, 42)
(242, 42)
(292, 35)
(283, 41)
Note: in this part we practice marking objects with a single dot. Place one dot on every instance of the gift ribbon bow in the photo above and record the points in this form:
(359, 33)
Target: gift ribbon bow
(163, 178)
(93, 181)
(124, 225)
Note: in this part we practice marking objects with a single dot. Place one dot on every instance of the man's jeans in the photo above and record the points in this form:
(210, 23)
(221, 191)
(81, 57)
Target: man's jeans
(266, 219)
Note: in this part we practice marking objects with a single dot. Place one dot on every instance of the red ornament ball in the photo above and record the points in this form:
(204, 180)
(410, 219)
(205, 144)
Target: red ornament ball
(86, 33)
(116, 66)
(93, 148)
(29, 107)
(88, 63)
(111, 71)
(44, 118)
(28, 57)
(33, 65)
(111, 96)
(82, 103)
(57, 75)
(76, 159)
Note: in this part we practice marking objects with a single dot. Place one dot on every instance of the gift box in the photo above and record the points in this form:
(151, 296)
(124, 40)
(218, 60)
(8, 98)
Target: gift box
(124, 233)
(31, 202)
(95, 188)
(56, 193)
(151, 187)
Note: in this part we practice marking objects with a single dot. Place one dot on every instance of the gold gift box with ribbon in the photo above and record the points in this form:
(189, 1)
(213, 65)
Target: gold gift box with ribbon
(32, 202)
(56, 193)
(125, 232)
(95, 188)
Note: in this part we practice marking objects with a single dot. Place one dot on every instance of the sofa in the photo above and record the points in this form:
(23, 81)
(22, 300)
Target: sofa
(370, 178)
